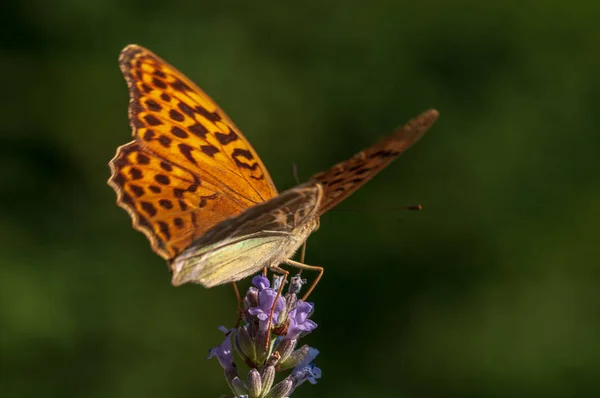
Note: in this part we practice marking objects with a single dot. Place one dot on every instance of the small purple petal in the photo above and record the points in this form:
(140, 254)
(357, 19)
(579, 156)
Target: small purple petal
(223, 352)
(312, 354)
(299, 322)
(316, 374)
(260, 282)
(266, 299)
(306, 370)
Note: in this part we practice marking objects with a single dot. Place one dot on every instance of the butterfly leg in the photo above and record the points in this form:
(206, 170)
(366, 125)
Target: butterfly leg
(302, 266)
(303, 250)
(302, 256)
(303, 253)
(239, 301)
(285, 275)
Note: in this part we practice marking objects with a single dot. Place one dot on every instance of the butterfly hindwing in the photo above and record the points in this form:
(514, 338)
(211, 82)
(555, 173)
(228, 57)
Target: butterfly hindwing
(341, 180)
(262, 236)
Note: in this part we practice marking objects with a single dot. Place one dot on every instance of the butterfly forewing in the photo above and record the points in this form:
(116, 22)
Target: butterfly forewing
(177, 120)
(263, 236)
(346, 177)
(189, 166)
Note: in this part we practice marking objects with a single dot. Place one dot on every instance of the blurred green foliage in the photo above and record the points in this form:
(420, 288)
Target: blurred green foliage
(491, 291)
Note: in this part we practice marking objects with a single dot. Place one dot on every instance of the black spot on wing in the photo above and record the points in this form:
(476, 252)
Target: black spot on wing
(212, 116)
(179, 132)
(164, 229)
(186, 151)
(159, 83)
(162, 179)
(186, 109)
(148, 208)
(209, 150)
(142, 159)
(198, 130)
(137, 190)
(225, 139)
(176, 115)
(152, 120)
(135, 174)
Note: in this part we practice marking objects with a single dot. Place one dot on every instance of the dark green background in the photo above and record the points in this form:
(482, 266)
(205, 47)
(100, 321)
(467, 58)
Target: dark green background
(491, 291)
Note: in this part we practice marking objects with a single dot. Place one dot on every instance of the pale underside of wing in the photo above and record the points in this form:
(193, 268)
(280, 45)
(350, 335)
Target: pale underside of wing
(189, 167)
(346, 177)
(262, 236)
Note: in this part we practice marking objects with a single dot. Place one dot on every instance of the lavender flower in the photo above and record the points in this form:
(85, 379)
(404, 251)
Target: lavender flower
(299, 322)
(306, 370)
(266, 299)
(261, 282)
(223, 352)
(290, 322)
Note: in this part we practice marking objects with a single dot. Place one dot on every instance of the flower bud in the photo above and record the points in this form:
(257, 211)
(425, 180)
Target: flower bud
(295, 358)
(254, 383)
(245, 346)
(281, 389)
(285, 347)
(268, 377)
(238, 386)
(251, 299)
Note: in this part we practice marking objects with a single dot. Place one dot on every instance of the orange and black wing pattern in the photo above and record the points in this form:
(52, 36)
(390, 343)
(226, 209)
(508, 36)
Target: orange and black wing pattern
(188, 167)
(341, 180)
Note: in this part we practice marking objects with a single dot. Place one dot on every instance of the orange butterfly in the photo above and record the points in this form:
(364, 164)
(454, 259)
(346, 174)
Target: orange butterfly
(197, 189)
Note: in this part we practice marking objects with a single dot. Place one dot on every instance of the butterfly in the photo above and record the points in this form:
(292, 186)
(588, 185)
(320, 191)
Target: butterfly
(193, 184)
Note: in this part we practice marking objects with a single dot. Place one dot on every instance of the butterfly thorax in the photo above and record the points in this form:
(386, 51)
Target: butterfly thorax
(263, 236)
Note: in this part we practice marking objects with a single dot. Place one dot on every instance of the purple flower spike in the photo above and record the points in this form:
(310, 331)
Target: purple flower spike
(261, 282)
(266, 298)
(299, 322)
(223, 352)
(265, 351)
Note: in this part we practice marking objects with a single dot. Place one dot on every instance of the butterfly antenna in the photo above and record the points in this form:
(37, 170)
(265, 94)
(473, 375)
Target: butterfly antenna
(387, 210)
(295, 172)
